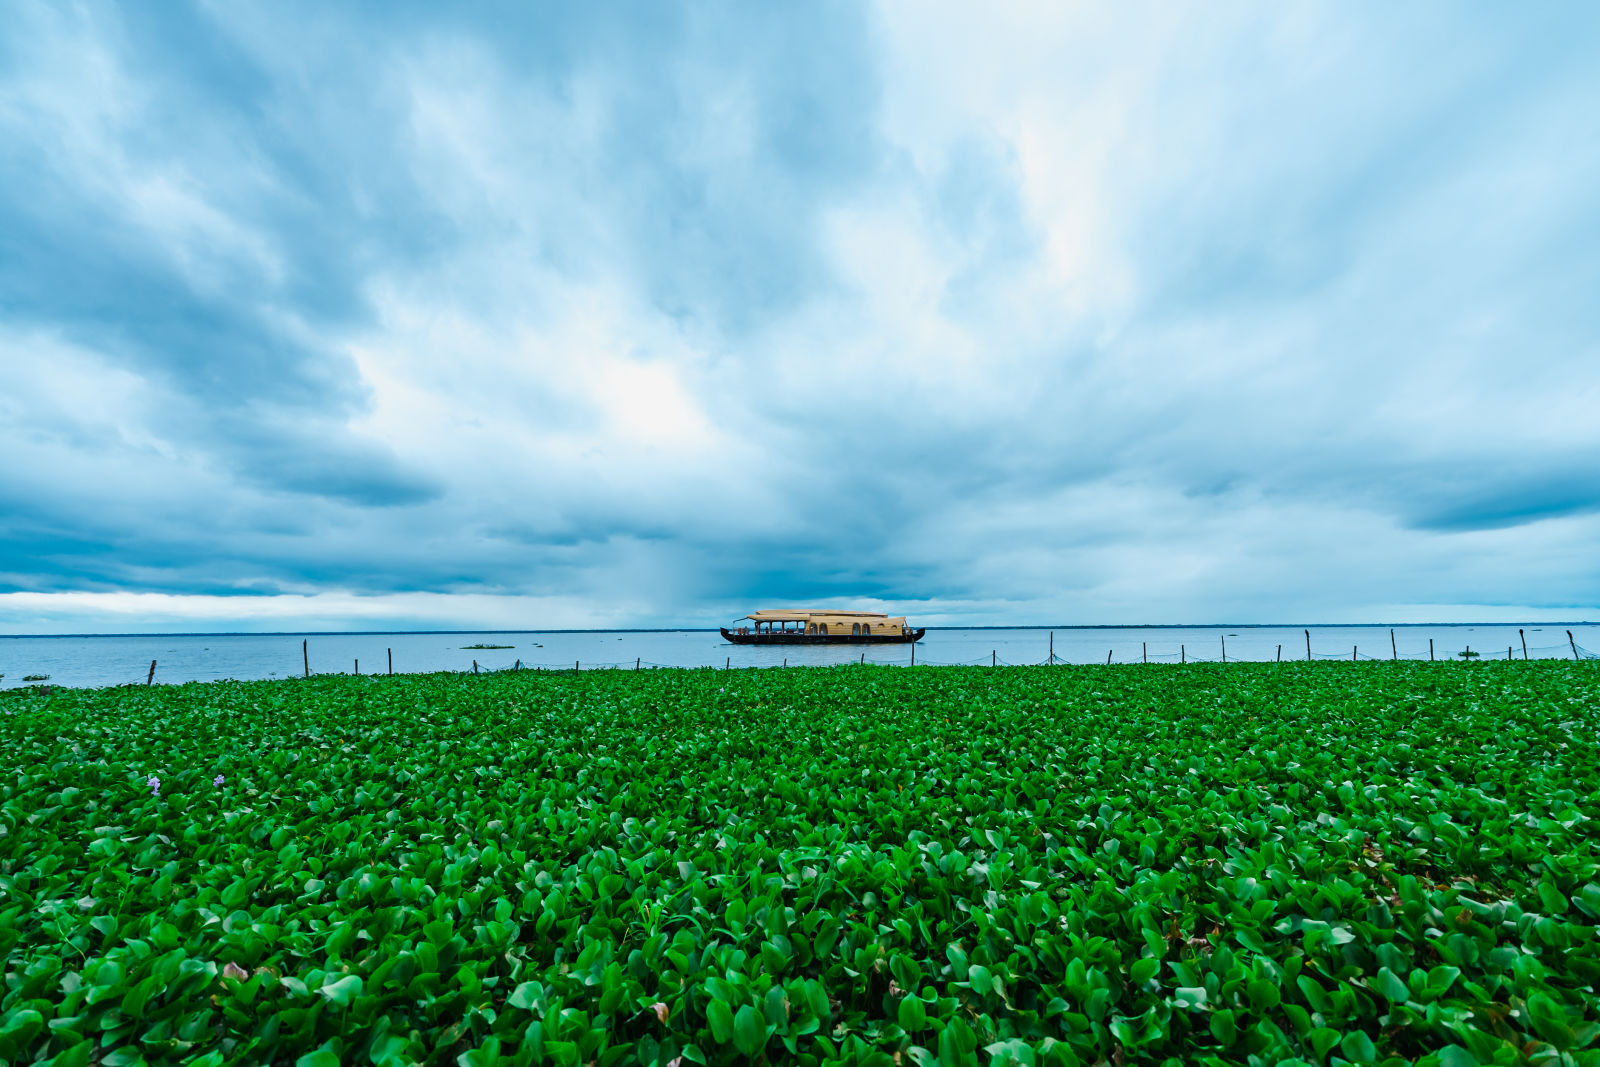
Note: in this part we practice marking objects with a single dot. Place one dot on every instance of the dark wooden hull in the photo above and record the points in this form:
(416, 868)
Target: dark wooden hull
(792, 638)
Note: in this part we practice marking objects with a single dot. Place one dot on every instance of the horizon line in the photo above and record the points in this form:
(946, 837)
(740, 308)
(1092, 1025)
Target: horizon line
(713, 629)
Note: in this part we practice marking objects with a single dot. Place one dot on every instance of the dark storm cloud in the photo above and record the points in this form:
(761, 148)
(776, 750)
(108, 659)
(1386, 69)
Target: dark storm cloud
(277, 146)
(1511, 498)
(1164, 313)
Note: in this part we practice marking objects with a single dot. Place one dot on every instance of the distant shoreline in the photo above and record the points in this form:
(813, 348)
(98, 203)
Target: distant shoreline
(713, 629)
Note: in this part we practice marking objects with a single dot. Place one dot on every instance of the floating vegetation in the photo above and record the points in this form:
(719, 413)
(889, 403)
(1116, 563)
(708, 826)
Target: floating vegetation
(1468, 654)
(1327, 863)
(470, 647)
(35, 677)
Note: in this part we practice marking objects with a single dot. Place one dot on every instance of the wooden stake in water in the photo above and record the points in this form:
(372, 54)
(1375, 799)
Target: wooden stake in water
(636, 661)
(1108, 657)
(1224, 648)
(1573, 643)
(1524, 643)
(1144, 651)
(1052, 646)
(358, 666)
(391, 661)
(991, 657)
(152, 675)
(1393, 648)
(1508, 653)
(1430, 650)
(306, 657)
(517, 666)
(1280, 653)
(728, 664)
(1352, 653)
(1183, 655)
(474, 666)
(1308, 646)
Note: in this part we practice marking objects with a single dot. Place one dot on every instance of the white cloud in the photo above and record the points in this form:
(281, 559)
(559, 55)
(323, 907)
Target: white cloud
(1140, 314)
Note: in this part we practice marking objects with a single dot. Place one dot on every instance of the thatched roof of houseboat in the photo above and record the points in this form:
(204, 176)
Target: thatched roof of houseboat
(806, 614)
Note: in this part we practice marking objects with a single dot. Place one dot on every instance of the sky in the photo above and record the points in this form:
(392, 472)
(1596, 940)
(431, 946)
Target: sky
(517, 316)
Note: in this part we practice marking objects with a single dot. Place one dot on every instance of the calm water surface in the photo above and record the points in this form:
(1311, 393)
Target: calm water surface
(115, 660)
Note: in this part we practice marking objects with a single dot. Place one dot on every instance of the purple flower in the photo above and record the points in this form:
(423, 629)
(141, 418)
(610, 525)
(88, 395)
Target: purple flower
(217, 781)
(155, 786)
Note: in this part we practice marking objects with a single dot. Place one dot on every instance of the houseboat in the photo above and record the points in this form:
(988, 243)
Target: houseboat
(821, 627)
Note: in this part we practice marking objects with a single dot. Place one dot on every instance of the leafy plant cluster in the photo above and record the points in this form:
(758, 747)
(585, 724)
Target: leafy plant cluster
(1321, 863)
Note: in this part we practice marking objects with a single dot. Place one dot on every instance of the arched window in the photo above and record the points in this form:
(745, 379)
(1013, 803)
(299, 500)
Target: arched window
(823, 629)
(855, 629)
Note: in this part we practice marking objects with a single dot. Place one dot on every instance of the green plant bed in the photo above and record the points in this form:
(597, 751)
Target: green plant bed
(1251, 863)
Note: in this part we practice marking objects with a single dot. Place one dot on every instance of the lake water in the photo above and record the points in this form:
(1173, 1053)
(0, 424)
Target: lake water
(119, 659)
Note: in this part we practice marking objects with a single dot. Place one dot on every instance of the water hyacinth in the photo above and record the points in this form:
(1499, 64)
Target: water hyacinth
(155, 786)
(217, 781)
(966, 866)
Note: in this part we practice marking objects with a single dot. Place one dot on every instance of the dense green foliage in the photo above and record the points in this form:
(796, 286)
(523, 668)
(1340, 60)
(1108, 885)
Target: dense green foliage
(1333, 863)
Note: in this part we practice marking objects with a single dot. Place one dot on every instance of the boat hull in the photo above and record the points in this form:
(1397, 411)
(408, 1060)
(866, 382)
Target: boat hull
(823, 639)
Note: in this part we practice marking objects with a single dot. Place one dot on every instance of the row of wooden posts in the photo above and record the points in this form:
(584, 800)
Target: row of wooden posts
(1394, 650)
(994, 657)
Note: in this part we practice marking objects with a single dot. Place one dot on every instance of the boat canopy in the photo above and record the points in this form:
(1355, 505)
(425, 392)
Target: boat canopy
(806, 615)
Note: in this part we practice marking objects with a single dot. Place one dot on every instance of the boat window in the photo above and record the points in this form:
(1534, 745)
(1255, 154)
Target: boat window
(823, 629)
(855, 629)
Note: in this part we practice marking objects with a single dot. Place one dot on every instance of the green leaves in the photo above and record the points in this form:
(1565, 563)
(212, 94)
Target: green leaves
(749, 1031)
(527, 996)
(19, 1030)
(1390, 986)
(1358, 1048)
(1440, 979)
(1051, 865)
(1550, 1021)
(912, 1015)
(134, 1001)
(1263, 993)
(341, 991)
(720, 1018)
(957, 1043)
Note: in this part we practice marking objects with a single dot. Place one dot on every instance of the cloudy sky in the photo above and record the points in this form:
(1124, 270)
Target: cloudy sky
(589, 315)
